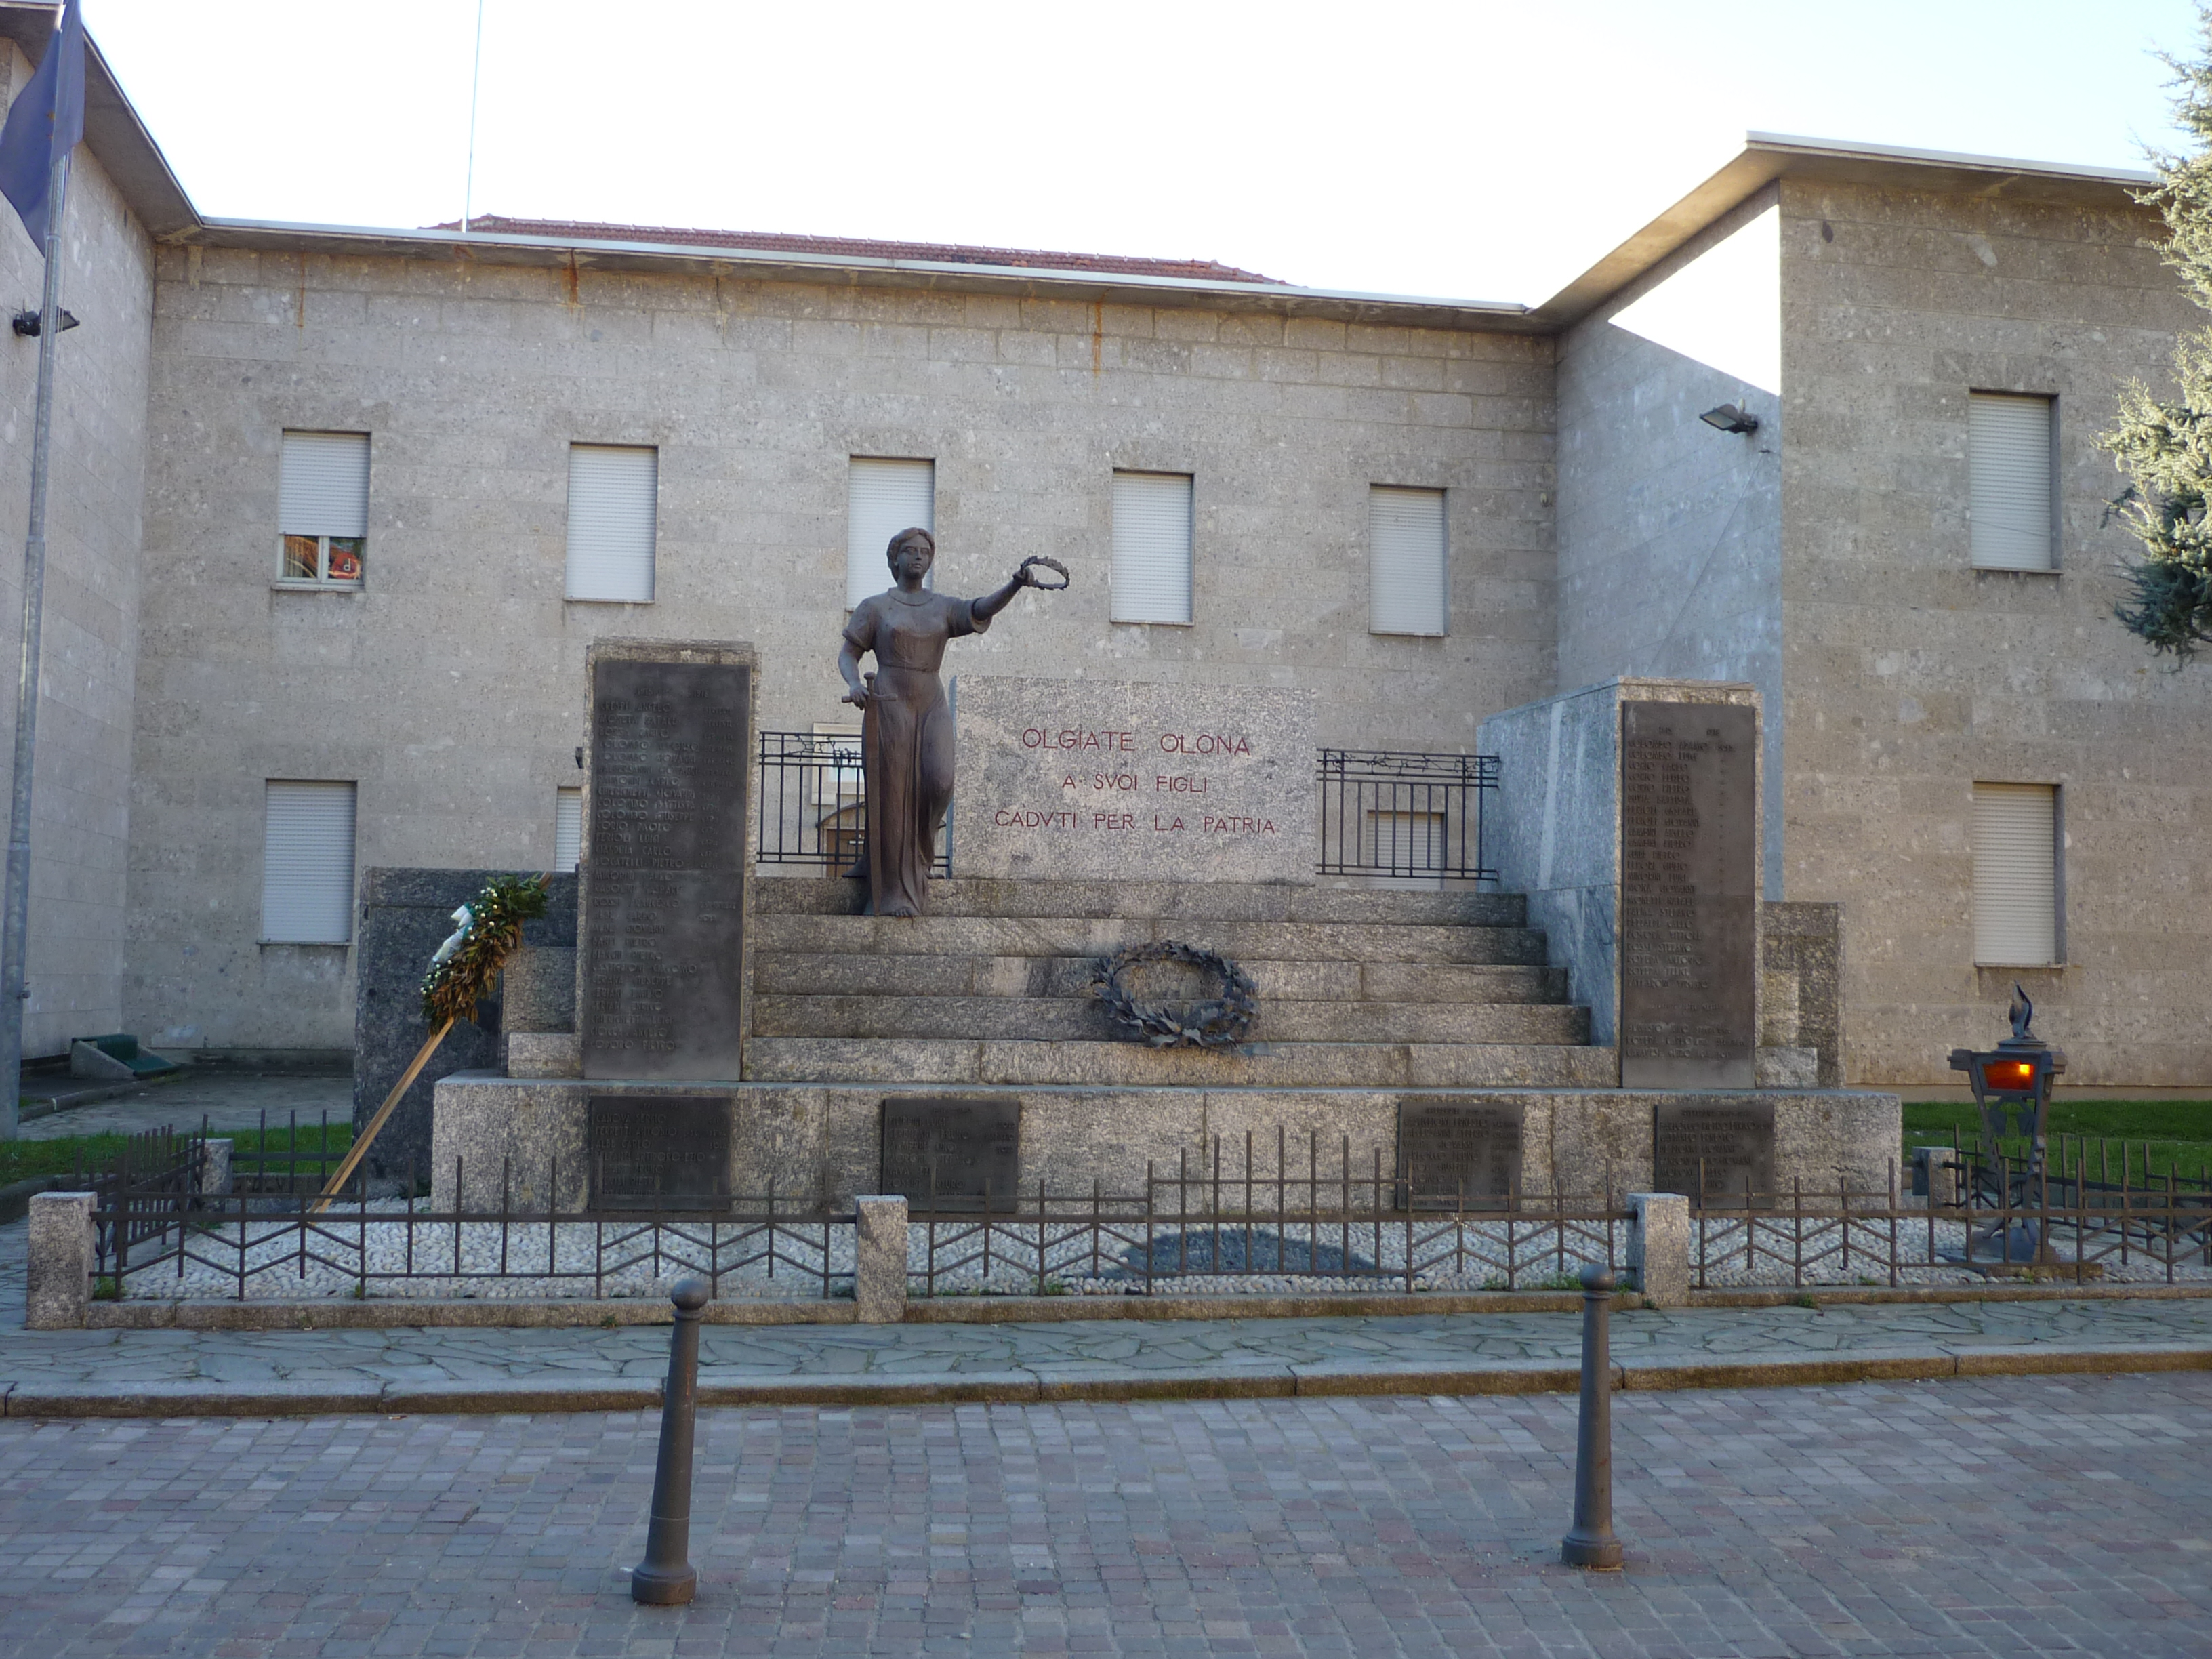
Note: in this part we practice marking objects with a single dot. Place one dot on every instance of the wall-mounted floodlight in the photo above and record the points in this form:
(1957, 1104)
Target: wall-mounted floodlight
(1728, 418)
(27, 323)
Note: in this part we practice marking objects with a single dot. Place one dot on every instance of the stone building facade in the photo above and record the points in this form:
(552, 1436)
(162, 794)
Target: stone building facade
(1595, 528)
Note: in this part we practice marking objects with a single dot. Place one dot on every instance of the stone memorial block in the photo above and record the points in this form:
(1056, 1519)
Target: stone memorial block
(659, 1151)
(404, 915)
(1083, 780)
(661, 974)
(1732, 1144)
(970, 1147)
(1689, 894)
(1448, 1147)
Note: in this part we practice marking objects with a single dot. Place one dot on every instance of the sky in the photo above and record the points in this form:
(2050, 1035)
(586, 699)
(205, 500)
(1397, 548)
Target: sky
(1477, 151)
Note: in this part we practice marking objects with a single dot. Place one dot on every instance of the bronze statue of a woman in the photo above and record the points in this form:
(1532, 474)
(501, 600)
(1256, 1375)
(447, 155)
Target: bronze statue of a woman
(906, 724)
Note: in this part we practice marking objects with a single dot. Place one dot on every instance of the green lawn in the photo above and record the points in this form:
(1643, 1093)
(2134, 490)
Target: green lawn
(66, 1155)
(2160, 1135)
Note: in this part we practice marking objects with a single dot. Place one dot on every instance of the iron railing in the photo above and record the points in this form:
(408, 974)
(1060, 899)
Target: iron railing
(1308, 1217)
(1400, 813)
(1385, 813)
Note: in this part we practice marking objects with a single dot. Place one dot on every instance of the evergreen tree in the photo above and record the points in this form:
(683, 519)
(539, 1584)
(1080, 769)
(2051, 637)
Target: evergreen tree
(2165, 448)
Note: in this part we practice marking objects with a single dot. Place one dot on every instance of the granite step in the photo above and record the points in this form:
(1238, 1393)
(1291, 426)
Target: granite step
(915, 1061)
(1077, 936)
(861, 973)
(963, 895)
(1085, 1019)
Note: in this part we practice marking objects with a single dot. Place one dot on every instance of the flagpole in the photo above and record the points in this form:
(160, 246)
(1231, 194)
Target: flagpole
(14, 918)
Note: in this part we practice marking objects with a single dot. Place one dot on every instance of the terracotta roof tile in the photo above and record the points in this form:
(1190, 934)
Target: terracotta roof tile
(854, 246)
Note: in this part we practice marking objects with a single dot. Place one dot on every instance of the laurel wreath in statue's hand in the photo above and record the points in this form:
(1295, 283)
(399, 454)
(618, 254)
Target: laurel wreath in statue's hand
(1027, 579)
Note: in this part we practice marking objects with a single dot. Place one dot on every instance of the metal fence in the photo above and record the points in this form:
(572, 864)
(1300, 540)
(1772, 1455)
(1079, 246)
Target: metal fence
(2042, 1219)
(1398, 813)
(1294, 1220)
(1229, 1219)
(1385, 813)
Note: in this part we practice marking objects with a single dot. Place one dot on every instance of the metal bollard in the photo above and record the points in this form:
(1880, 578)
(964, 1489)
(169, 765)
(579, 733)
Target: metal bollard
(1589, 1542)
(666, 1578)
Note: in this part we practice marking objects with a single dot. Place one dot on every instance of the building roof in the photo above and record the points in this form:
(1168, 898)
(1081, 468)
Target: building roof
(950, 253)
(1767, 157)
(149, 188)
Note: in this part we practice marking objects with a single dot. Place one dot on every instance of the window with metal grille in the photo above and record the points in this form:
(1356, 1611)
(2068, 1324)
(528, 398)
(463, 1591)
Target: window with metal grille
(1151, 575)
(883, 497)
(568, 827)
(2015, 847)
(322, 507)
(306, 863)
(613, 493)
(2009, 465)
(1407, 578)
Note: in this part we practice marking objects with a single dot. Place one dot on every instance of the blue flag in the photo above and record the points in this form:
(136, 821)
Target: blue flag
(44, 124)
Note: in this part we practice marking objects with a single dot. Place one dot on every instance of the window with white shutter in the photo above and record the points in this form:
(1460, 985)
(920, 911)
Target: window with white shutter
(1407, 581)
(613, 493)
(322, 507)
(306, 863)
(1151, 575)
(2015, 843)
(2009, 465)
(568, 828)
(883, 497)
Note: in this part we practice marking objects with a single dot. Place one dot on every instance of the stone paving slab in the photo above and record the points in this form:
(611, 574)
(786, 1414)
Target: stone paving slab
(2014, 1516)
(292, 1372)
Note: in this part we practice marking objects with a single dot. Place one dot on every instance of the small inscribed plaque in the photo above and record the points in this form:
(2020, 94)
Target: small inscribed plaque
(1730, 1148)
(664, 870)
(1689, 894)
(957, 1153)
(1447, 1149)
(661, 1151)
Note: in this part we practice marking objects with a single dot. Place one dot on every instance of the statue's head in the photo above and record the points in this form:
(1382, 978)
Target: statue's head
(914, 547)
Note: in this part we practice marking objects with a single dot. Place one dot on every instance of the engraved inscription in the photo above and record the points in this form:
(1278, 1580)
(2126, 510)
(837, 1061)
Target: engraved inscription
(959, 1154)
(663, 876)
(1454, 1150)
(1689, 816)
(1721, 1152)
(659, 1151)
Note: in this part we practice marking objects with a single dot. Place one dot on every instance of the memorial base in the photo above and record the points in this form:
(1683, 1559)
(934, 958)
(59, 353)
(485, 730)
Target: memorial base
(528, 1136)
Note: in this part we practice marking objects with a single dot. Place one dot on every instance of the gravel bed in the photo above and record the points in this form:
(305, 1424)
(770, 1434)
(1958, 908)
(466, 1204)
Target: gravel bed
(1265, 1262)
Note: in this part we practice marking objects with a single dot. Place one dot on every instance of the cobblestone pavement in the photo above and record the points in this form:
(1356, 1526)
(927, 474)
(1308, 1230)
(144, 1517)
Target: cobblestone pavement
(405, 1367)
(226, 1102)
(2002, 1517)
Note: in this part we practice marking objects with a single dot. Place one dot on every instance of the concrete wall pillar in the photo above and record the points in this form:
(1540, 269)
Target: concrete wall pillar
(1659, 1247)
(215, 1169)
(58, 1291)
(1938, 1176)
(879, 1260)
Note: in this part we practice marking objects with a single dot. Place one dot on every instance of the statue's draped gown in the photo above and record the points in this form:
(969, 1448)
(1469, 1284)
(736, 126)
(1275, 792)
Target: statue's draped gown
(906, 738)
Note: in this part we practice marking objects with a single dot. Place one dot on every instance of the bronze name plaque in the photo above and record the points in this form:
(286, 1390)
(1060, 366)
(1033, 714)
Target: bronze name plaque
(1453, 1151)
(956, 1153)
(664, 870)
(1689, 894)
(659, 1151)
(1730, 1149)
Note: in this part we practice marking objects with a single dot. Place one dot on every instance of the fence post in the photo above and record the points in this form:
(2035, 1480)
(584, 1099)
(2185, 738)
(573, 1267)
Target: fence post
(213, 1173)
(879, 1235)
(57, 1286)
(1589, 1542)
(1659, 1248)
(666, 1578)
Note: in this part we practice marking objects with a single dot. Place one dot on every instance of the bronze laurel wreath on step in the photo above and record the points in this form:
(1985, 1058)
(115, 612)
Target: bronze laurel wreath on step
(1220, 1022)
(454, 986)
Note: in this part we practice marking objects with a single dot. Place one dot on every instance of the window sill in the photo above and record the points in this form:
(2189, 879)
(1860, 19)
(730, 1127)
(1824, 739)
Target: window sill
(2019, 967)
(578, 598)
(2017, 570)
(296, 585)
(1134, 622)
(307, 944)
